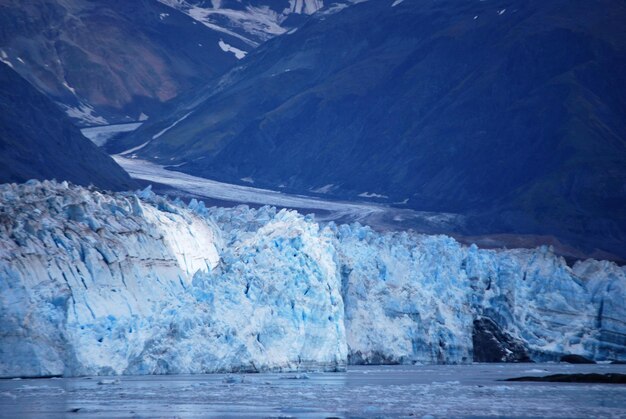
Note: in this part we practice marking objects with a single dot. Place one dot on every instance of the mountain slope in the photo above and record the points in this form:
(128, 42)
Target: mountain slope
(38, 141)
(251, 21)
(110, 61)
(509, 112)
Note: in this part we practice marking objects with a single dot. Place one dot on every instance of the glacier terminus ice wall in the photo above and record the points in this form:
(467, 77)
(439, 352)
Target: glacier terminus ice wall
(104, 284)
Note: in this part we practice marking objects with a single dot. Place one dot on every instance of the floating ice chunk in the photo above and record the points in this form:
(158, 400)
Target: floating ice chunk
(296, 377)
(233, 379)
(9, 395)
(108, 382)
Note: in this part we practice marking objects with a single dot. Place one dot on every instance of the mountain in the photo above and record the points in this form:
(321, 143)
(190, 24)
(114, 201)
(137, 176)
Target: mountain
(511, 113)
(110, 61)
(145, 285)
(37, 141)
(252, 21)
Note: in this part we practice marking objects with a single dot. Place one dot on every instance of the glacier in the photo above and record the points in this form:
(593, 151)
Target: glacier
(99, 283)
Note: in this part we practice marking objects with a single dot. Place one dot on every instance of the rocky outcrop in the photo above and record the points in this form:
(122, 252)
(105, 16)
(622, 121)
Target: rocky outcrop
(491, 344)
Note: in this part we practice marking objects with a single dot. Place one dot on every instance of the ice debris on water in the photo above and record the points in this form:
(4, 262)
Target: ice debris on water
(108, 382)
(94, 283)
(233, 379)
(301, 376)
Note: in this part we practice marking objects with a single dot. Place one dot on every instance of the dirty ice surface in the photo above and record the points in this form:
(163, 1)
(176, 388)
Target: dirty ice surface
(367, 391)
(376, 215)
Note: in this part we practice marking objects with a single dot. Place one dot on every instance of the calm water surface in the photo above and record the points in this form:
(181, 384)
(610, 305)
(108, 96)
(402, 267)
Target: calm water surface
(380, 391)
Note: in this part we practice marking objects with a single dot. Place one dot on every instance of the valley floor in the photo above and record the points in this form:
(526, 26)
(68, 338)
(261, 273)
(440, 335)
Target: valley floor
(375, 215)
(399, 391)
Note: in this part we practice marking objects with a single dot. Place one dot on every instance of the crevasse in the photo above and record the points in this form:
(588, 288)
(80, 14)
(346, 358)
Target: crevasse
(99, 283)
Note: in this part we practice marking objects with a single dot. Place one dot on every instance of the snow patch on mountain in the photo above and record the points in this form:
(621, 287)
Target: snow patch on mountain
(130, 152)
(5, 58)
(324, 189)
(372, 195)
(85, 113)
(70, 88)
(229, 48)
(163, 131)
(304, 6)
(100, 135)
(251, 23)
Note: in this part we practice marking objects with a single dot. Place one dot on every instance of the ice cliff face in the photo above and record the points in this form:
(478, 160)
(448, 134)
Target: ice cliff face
(430, 299)
(94, 283)
(99, 284)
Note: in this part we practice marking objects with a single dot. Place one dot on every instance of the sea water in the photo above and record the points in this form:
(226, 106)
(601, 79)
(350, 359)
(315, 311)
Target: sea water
(475, 390)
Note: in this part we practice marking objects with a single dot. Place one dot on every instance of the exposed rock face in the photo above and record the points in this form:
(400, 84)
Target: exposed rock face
(491, 344)
(610, 378)
(576, 359)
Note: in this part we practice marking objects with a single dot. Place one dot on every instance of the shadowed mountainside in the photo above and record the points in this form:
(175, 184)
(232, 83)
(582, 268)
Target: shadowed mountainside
(37, 141)
(511, 113)
(110, 60)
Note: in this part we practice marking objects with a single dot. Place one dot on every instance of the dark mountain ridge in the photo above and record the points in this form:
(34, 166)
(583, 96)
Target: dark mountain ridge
(110, 60)
(38, 141)
(511, 113)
